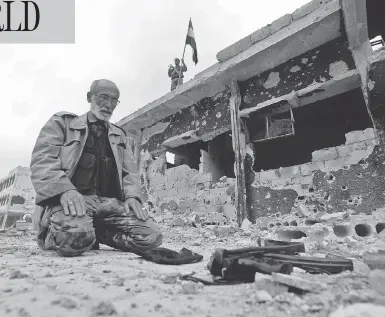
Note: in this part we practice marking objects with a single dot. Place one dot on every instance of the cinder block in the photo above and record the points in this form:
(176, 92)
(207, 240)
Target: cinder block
(158, 180)
(182, 191)
(169, 185)
(337, 164)
(369, 133)
(324, 154)
(280, 23)
(203, 178)
(345, 150)
(169, 171)
(371, 142)
(172, 192)
(307, 180)
(309, 168)
(218, 191)
(286, 172)
(181, 168)
(172, 177)
(162, 193)
(215, 209)
(224, 199)
(354, 136)
(234, 49)
(356, 156)
(260, 34)
(267, 176)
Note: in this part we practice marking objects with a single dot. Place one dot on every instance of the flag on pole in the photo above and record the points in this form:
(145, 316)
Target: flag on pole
(190, 40)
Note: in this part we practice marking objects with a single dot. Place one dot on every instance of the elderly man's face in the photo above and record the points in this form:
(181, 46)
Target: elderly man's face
(104, 101)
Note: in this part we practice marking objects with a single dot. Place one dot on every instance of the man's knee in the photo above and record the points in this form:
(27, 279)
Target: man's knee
(74, 243)
(68, 235)
(150, 237)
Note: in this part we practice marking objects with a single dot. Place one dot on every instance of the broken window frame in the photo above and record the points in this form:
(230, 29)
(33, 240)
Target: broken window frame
(278, 136)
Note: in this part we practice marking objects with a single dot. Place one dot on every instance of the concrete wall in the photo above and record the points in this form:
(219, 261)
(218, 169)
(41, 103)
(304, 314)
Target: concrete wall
(185, 190)
(338, 179)
(315, 66)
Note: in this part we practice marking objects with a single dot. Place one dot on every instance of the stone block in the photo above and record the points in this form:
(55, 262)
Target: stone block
(286, 172)
(172, 192)
(218, 191)
(308, 8)
(267, 176)
(369, 133)
(182, 191)
(307, 284)
(260, 34)
(158, 179)
(280, 23)
(307, 180)
(337, 164)
(172, 177)
(203, 178)
(309, 168)
(354, 136)
(162, 193)
(345, 150)
(234, 49)
(324, 154)
(223, 199)
(371, 142)
(181, 168)
(169, 185)
(230, 211)
(169, 171)
(356, 156)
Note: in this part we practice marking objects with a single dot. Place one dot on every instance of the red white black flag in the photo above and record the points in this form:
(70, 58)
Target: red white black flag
(190, 40)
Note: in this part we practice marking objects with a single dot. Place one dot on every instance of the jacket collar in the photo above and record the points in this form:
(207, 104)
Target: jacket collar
(80, 123)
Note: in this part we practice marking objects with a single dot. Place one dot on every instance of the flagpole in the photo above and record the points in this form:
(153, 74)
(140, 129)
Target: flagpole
(184, 50)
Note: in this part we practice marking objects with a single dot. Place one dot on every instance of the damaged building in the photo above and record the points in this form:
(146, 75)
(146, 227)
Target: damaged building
(290, 120)
(17, 196)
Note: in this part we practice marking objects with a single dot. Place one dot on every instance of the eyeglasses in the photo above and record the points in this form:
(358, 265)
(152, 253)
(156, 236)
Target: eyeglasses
(106, 98)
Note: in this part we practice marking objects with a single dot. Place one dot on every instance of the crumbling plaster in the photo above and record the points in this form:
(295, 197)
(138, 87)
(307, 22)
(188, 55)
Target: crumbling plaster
(210, 116)
(315, 66)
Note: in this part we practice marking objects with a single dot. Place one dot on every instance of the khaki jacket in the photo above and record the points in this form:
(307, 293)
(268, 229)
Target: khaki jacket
(57, 152)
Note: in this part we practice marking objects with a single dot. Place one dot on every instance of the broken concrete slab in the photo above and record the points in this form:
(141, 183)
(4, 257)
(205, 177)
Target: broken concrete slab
(308, 285)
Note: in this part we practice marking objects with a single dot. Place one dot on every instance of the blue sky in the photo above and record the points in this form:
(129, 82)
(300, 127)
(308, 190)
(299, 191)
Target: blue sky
(129, 42)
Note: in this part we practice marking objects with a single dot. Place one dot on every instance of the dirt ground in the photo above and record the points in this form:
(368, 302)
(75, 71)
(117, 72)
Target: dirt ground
(108, 282)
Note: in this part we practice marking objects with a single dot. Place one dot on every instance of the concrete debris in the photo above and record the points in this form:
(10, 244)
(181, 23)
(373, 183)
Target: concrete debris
(263, 296)
(171, 278)
(178, 222)
(65, 302)
(308, 285)
(377, 281)
(246, 225)
(104, 308)
(266, 283)
(16, 274)
(360, 310)
(191, 287)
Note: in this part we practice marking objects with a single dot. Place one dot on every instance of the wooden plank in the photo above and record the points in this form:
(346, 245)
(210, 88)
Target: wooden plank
(240, 197)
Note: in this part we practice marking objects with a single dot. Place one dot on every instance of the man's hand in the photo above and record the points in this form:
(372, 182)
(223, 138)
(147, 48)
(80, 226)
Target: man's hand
(73, 203)
(137, 207)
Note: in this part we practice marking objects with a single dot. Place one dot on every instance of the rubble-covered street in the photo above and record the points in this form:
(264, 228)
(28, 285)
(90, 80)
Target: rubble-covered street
(112, 283)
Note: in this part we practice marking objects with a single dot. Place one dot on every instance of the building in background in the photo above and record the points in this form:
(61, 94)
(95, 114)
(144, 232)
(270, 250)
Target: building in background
(290, 120)
(17, 196)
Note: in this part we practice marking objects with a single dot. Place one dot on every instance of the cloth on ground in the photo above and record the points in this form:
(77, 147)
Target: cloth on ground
(167, 256)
